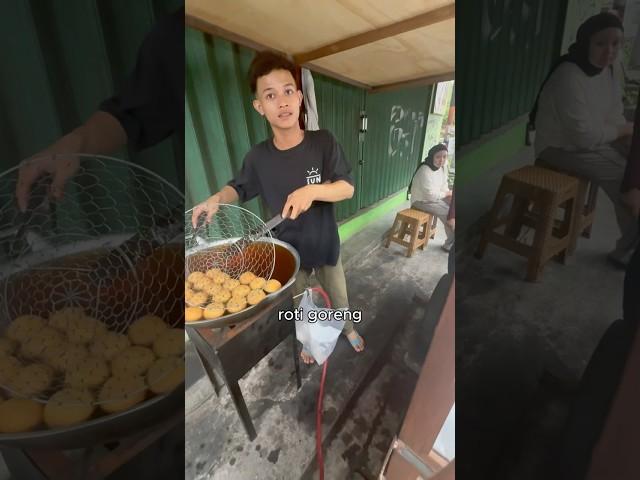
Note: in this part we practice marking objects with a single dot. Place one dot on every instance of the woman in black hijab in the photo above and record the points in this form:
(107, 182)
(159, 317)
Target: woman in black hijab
(579, 119)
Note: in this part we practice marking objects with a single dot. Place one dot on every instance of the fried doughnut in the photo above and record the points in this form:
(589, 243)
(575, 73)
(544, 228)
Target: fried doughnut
(90, 372)
(231, 283)
(246, 278)
(146, 329)
(236, 304)
(169, 342)
(188, 293)
(165, 374)
(212, 289)
(134, 360)
(9, 367)
(65, 356)
(82, 330)
(120, 393)
(60, 318)
(7, 346)
(272, 286)
(193, 276)
(212, 272)
(202, 283)
(24, 326)
(219, 277)
(32, 380)
(255, 296)
(214, 310)
(241, 291)
(109, 345)
(222, 296)
(19, 415)
(67, 407)
(37, 345)
(192, 314)
(257, 282)
(198, 299)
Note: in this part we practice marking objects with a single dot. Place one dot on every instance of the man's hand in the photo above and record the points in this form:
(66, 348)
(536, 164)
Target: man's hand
(210, 206)
(62, 167)
(632, 200)
(299, 201)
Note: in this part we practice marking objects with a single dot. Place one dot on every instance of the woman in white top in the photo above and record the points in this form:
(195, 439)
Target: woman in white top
(429, 189)
(579, 114)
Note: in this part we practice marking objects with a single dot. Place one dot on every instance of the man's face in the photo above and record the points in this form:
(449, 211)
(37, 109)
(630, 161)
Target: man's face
(278, 99)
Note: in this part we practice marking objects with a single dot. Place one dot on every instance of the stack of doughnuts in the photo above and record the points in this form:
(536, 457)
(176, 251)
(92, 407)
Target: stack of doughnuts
(71, 367)
(213, 294)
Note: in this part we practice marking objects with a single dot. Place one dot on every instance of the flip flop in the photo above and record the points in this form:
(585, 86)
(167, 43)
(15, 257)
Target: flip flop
(357, 342)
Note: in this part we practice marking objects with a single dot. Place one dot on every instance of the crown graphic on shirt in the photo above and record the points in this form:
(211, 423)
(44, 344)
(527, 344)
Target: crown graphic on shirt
(313, 171)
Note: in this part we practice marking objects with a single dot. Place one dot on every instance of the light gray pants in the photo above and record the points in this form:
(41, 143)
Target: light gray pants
(605, 167)
(440, 209)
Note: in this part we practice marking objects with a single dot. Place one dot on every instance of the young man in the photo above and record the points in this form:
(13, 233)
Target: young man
(298, 173)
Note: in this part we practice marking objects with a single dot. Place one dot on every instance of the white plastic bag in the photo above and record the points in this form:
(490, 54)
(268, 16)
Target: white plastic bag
(317, 335)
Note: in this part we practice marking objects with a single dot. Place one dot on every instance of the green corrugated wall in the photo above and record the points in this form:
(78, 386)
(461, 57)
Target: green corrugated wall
(221, 125)
(59, 60)
(504, 50)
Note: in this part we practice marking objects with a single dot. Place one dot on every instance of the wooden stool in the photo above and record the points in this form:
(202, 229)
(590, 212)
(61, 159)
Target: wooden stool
(587, 197)
(537, 194)
(417, 224)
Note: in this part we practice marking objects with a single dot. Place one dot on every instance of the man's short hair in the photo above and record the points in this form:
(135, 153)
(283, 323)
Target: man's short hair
(266, 62)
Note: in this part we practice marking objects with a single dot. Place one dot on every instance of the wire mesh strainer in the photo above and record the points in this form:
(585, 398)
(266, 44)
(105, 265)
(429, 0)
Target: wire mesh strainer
(111, 248)
(235, 241)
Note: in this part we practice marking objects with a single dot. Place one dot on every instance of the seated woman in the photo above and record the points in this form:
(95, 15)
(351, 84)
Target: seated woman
(430, 190)
(579, 115)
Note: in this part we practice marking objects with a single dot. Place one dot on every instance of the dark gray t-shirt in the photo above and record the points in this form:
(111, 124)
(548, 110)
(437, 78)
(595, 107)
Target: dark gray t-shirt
(274, 174)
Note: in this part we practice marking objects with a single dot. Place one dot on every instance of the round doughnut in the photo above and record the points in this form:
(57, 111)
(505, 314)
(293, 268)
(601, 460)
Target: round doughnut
(236, 304)
(82, 330)
(202, 283)
(272, 286)
(134, 360)
(193, 276)
(241, 291)
(120, 393)
(9, 367)
(60, 318)
(257, 283)
(214, 310)
(212, 272)
(246, 278)
(188, 293)
(32, 380)
(146, 329)
(68, 407)
(19, 415)
(219, 277)
(192, 314)
(109, 345)
(37, 345)
(90, 372)
(65, 356)
(199, 298)
(170, 342)
(213, 288)
(7, 346)
(231, 283)
(222, 296)
(23, 327)
(165, 374)
(255, 296)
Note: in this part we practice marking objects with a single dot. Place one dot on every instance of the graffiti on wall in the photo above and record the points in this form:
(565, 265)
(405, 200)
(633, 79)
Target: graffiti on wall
(405, 127)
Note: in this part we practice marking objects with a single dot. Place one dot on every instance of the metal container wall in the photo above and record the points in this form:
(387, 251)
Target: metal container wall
(60, 60)
(524, 35)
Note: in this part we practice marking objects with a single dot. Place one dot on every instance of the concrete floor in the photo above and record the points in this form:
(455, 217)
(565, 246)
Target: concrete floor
(508, 332)
(366, 394)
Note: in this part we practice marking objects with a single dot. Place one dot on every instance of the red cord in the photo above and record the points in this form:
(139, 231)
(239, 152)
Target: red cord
(319, 403)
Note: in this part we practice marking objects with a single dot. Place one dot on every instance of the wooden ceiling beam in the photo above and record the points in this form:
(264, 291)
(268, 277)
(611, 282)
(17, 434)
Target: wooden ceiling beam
(416, 82)
(429, 18)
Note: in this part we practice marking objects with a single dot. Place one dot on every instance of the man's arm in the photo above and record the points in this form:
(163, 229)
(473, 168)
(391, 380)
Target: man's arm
(300, 200)
(210, 205)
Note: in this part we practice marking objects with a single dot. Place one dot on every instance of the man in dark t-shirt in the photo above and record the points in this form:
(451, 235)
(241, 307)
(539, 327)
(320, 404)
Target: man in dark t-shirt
(148, 109)
(299, 174)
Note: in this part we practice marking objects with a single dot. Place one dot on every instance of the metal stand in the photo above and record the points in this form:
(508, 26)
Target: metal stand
(228, 354)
